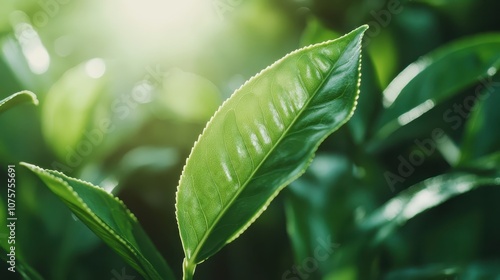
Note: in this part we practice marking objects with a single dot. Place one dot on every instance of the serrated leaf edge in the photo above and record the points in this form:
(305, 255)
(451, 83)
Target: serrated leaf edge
(264, 207)
(266, 204)
(132, 249)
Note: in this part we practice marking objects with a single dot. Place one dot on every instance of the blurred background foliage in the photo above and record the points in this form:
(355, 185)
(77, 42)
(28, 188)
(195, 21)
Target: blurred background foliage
(125, 88)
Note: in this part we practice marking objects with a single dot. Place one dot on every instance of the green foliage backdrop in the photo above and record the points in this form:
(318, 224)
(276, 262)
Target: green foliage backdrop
(406, 189)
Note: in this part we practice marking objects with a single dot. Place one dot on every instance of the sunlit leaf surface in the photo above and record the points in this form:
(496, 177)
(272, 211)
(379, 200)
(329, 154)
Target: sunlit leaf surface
(263, 138)
(429, 81)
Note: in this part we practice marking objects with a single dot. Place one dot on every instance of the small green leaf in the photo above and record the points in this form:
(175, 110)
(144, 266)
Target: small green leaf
(109, 219)
(68, 105)
(261, 139)
(17, 98)
(430, 80)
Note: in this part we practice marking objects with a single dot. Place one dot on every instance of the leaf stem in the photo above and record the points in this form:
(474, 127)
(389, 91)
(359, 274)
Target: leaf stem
(188, 270)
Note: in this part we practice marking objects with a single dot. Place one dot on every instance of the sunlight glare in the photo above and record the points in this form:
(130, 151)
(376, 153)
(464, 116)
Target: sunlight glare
(416, 112)
(34, 51)
(161, 27)
(402, 80)
(155, 15)
(95, 68)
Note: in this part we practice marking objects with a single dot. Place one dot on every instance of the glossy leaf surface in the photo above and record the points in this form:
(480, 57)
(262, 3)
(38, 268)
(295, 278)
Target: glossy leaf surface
(429, 81)
(17, 98)
(368, 102)
(109, 219)
(261, 139)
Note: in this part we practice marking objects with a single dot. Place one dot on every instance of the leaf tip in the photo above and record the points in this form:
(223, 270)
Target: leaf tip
(364, 27)
(28, 165)
(33, 97)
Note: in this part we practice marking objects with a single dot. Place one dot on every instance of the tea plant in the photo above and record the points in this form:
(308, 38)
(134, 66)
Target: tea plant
(389, 195)
(258, 142)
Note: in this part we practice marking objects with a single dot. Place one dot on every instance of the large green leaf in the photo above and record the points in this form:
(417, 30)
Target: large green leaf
(430, 80)
(108, 218)
(17, 98)
(263, 138)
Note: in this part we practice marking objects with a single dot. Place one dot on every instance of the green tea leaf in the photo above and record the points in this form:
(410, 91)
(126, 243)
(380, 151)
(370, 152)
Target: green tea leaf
(422, 197)
(263, 138)
(109, 219)
(369, 102)
(17, 98)
(430, 81)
